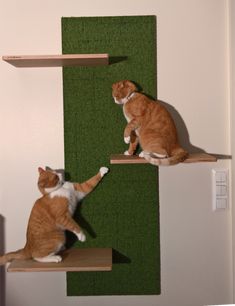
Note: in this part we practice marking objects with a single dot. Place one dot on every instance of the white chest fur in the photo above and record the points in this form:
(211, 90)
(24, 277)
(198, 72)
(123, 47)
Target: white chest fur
(67, 191)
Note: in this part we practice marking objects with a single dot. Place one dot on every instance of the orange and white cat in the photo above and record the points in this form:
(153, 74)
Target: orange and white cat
(150, 124)
(51, 215)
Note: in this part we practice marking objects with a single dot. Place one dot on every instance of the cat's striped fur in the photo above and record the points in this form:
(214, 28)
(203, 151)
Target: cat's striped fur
(150, 124)
(51, 215)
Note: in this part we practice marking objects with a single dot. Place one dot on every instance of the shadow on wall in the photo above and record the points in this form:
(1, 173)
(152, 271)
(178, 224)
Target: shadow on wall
(2, 268)
(183, 133)
(182, 130)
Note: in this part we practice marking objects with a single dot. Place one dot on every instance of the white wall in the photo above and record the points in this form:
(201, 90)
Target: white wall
(196, 243)
(232, 99)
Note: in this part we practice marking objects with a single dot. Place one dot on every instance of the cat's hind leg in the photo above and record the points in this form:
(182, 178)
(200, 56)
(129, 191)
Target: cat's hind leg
(45, 250)
(157, 155)
(157, 151)
(49, 258)
(52, 257)
(142, 153)
(153, 154)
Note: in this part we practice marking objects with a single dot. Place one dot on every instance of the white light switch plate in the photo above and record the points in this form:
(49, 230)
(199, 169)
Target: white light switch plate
(220, 190)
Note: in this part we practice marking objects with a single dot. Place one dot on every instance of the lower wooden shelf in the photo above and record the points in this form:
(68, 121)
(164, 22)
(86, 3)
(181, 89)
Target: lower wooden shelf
(134, 159)
(74, 260)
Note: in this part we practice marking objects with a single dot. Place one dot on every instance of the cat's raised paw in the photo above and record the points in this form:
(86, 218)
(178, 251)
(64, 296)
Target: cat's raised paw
(127, 139)
(103, 171)
(81, 236)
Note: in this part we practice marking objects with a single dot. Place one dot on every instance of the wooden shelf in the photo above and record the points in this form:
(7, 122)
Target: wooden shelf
(134, 159)
(74, 260)
(57, 60)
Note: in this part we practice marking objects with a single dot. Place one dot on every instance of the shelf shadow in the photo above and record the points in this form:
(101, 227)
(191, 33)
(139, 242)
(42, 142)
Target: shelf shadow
(116, 59)
(2, 268)
(221, 156)
(119, 258)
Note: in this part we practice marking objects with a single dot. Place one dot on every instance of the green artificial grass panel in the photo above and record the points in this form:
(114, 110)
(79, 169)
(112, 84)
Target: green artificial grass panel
(123, 212)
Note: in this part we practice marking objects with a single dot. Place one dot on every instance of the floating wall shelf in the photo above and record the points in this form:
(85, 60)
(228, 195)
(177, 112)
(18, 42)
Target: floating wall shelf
(74, 260)
(134, 159)
(57, 60)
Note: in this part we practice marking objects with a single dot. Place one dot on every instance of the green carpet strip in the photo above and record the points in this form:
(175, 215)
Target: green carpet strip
(123, 212)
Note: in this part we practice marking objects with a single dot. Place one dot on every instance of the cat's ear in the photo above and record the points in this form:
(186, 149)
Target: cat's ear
(48, 168)
(122, 84)
(40, 170)
(129, 84)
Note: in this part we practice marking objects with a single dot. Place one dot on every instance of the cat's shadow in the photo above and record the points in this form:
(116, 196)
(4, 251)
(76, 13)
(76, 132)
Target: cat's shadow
(183, 134)
(71, 238)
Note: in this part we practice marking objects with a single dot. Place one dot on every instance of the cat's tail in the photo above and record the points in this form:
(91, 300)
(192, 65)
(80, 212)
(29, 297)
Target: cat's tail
(20, 254)
(178, 156)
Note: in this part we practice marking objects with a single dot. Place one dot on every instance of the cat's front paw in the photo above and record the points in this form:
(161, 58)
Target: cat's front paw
(127, 139)
(103, 171)
(127, 153)
(81, 236)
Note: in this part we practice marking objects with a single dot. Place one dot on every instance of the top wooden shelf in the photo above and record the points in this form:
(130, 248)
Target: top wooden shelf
(192, 158)
(57, 60)
(74, 260)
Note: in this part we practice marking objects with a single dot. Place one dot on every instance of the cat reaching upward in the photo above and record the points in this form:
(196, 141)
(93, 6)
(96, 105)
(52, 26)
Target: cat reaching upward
(150, 124)
(51, 215)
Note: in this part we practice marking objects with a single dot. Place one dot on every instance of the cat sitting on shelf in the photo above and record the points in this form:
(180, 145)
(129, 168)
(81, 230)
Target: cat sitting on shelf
(51, 215)
(150, 124)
